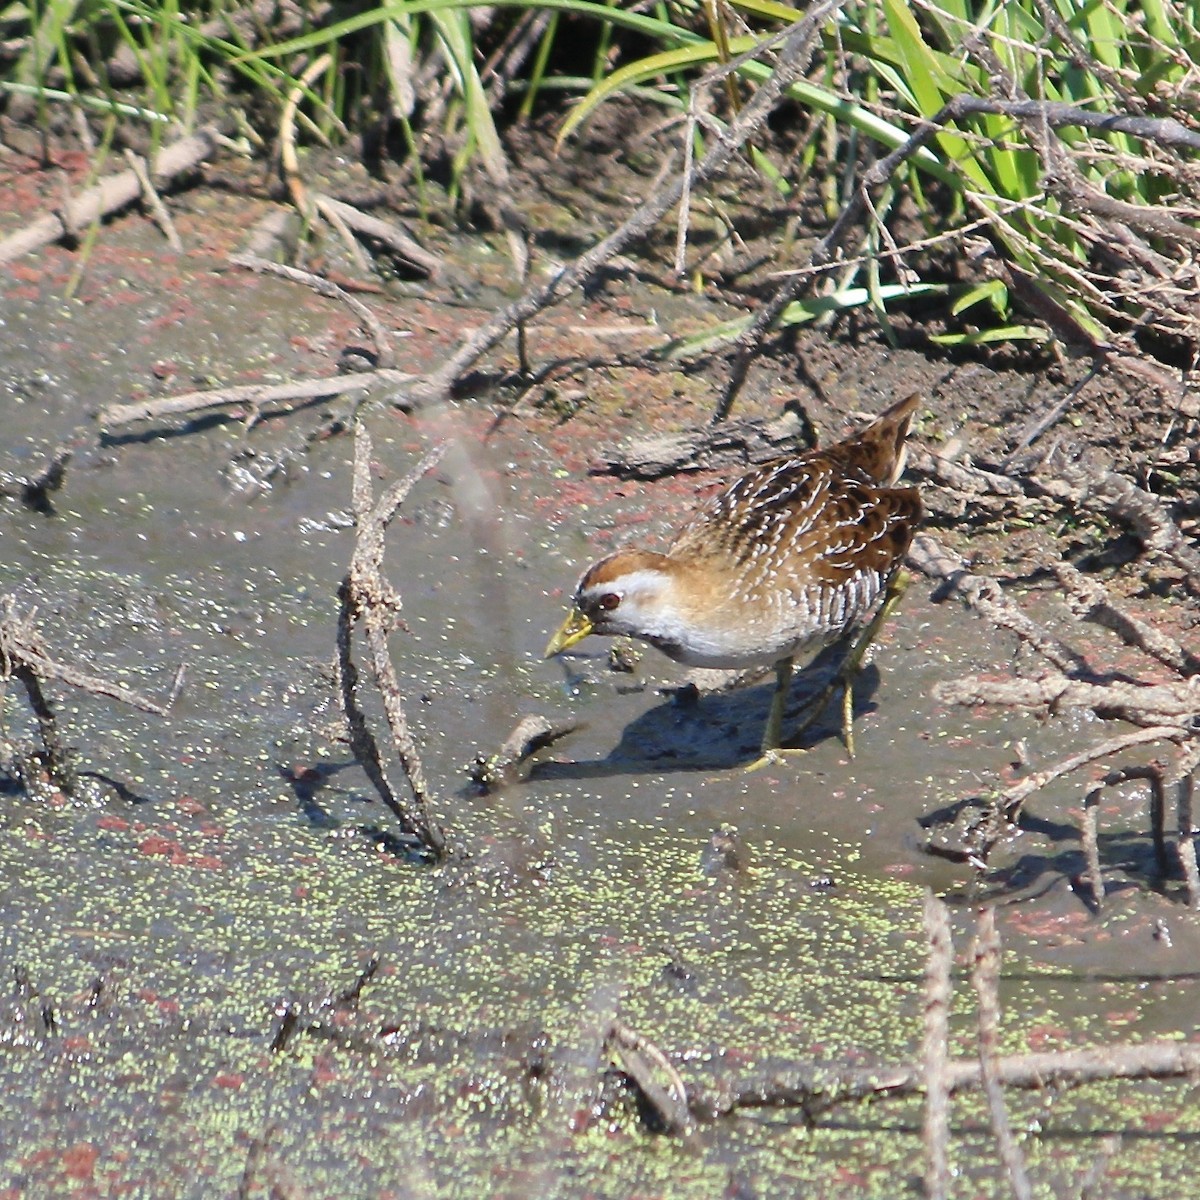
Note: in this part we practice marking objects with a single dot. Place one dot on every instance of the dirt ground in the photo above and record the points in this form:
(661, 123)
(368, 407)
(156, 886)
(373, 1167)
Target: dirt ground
(227, 975)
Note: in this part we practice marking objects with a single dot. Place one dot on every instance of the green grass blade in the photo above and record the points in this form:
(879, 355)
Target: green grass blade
(984, 337)
(801, 312)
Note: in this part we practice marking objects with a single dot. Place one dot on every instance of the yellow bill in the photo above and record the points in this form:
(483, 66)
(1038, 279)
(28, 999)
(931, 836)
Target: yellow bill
(574, 629)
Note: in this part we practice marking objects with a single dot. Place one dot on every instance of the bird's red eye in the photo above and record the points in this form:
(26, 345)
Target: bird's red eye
(609, 601)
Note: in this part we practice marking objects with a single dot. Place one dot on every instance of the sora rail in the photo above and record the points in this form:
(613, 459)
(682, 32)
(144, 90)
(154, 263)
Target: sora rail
(790, 557)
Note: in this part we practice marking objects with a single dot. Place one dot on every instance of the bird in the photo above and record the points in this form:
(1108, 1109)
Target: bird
(790, 557)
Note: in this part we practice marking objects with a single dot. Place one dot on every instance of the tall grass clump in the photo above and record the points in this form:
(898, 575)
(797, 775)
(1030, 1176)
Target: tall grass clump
(1082, 177)
(1052, 144)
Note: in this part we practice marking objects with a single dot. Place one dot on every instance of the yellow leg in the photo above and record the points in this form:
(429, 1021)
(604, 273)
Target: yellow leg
(772, 751)
(852, 663)
(773, 734)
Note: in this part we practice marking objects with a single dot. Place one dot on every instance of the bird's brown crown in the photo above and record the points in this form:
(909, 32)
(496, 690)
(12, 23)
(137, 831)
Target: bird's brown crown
(621, 565)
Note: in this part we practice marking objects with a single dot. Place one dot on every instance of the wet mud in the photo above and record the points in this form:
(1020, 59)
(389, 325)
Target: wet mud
(220, 973)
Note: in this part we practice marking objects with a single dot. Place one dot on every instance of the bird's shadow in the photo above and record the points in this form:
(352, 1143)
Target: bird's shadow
(720, 730)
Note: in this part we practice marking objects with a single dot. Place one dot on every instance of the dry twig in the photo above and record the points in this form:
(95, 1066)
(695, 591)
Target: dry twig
(965, 478)
(384, 232)
(111, 194)
(384, 355)
(935, 1047)
(732, 444)
(794, 57)
(162, 218)
(1012, 799)
(985, 978)
(281, 397)
(365, 595)
(1174, 704)
(1153, 775)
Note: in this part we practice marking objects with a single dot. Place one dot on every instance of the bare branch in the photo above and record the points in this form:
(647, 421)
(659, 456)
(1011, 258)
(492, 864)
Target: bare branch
(255, 395)
(985, 595)
(985, 978)
(384, 232)
(935, 1047)
(367, 596)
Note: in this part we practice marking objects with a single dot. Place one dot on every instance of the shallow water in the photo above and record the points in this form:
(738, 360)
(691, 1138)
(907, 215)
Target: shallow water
(160, 933)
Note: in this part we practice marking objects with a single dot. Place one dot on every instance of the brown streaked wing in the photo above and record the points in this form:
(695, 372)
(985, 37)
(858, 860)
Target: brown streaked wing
(803, 520)
(749, 518)
(864, 529)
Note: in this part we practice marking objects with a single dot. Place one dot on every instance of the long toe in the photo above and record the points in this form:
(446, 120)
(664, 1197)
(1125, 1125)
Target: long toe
(774, 758)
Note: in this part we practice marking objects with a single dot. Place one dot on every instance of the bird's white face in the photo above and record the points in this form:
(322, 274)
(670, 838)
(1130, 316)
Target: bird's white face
(627, 594)
(634, 604)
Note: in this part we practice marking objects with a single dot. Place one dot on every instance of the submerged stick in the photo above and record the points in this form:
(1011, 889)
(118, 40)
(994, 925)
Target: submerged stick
(670, 1103)
(372, 325)
(985, 595)
(1187, 835)
(1090, 601)
(23, 656)
(530, 734)
(816, 1090)
(34, 490)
